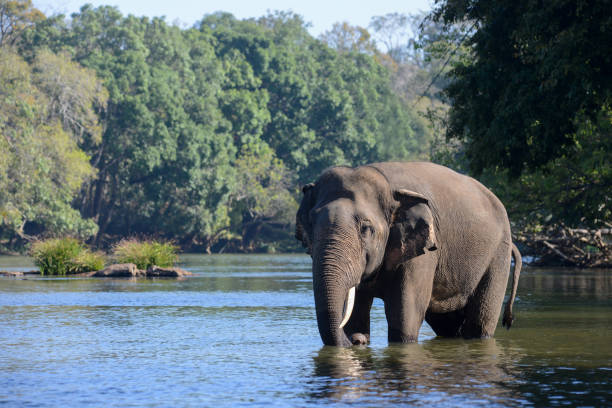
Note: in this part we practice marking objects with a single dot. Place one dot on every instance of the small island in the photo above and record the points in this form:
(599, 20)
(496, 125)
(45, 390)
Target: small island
(129, 258)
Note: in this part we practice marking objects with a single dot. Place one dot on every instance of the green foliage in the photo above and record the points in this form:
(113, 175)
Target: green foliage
(263, 201)
(325, 106)
(15, 17)
(198, 135)
(573, 189)
(346, 38)
(76, 95)
(264, 184)
(145, 253)
(41, 166)
(537, 71)
(166, 150)
(531, 111)
(62, 256)
(54, 256)
(418, 53)
(88, 260)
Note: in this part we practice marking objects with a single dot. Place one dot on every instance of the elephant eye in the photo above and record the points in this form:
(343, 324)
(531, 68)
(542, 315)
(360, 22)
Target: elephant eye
(367, 230)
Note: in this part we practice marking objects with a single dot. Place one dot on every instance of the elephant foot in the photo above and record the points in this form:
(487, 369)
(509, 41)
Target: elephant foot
(359, 339)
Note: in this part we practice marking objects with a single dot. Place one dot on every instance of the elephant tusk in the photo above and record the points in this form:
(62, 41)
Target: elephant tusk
(350, 301)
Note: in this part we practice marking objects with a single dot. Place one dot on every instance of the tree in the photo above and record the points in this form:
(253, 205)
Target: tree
(346, 38)
(166, 152)
(263, 203)
(76, 95)
(396, 33)
(419, 52)
(531, 115)
(41, 166)
(537, 70)
(325, 107)
(187, 113)
(15, 17)
(572, 190)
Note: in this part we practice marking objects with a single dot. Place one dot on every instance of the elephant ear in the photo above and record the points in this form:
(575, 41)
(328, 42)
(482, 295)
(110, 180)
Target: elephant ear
(412, 228)
(302, 223)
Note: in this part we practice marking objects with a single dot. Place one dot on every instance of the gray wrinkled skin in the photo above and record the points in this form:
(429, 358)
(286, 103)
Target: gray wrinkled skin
(431, 243)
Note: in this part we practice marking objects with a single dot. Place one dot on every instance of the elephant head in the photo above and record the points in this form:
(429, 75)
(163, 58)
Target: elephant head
(355, 226)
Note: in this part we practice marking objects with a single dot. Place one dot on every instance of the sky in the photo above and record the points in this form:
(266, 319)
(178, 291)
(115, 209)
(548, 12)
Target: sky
(320, 13)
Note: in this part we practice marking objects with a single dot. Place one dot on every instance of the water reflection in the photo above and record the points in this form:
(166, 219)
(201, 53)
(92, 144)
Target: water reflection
(595, 283)
(440, 371)
(548, 367)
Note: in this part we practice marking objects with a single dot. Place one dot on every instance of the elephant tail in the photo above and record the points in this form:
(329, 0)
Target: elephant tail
(518, 263)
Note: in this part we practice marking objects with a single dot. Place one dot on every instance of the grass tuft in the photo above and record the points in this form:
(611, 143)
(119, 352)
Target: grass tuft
(89, 261)
(145, 253)
(62, 256)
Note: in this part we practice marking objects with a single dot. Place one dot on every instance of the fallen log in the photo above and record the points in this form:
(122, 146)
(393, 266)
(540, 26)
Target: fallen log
(562, 246)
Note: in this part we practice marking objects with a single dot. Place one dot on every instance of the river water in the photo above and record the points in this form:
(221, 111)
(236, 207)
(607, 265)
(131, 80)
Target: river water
(242, 332)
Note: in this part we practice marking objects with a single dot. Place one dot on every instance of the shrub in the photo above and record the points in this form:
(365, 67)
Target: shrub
(61, 256)
(89, 261)
(145, 253)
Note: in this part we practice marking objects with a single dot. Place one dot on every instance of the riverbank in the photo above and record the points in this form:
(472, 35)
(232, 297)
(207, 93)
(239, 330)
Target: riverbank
(563, 246)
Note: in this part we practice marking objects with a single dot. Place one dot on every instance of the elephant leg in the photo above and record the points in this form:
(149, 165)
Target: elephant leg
(357, 328)
(446, 324)
(407, 298)
(484, 306)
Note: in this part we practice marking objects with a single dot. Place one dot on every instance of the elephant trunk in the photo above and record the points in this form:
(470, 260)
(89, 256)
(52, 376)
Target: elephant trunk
(337, 271)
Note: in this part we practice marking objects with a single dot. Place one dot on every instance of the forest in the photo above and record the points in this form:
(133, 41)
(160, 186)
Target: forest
(115, 126)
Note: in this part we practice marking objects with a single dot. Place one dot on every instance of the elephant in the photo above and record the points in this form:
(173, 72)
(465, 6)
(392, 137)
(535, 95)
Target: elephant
(433, 244)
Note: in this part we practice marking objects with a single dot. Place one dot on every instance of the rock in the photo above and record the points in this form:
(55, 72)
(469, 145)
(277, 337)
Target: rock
(11, 273)
(159, 272)
(359, 339)
(14, 274)
(128, 270)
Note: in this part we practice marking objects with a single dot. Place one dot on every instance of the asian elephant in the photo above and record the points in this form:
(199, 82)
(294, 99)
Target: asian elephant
(431, 243)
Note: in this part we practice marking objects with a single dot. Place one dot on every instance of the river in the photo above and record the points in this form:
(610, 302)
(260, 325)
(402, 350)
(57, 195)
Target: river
(242, 332)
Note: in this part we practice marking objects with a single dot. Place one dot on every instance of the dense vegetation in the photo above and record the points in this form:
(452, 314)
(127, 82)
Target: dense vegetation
(531, 115)
(117, 126)
(64, 256)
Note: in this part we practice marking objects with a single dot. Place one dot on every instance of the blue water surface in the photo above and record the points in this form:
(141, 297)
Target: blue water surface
(242, 332)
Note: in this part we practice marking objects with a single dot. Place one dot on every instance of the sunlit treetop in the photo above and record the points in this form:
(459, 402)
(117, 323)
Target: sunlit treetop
(15, 16)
